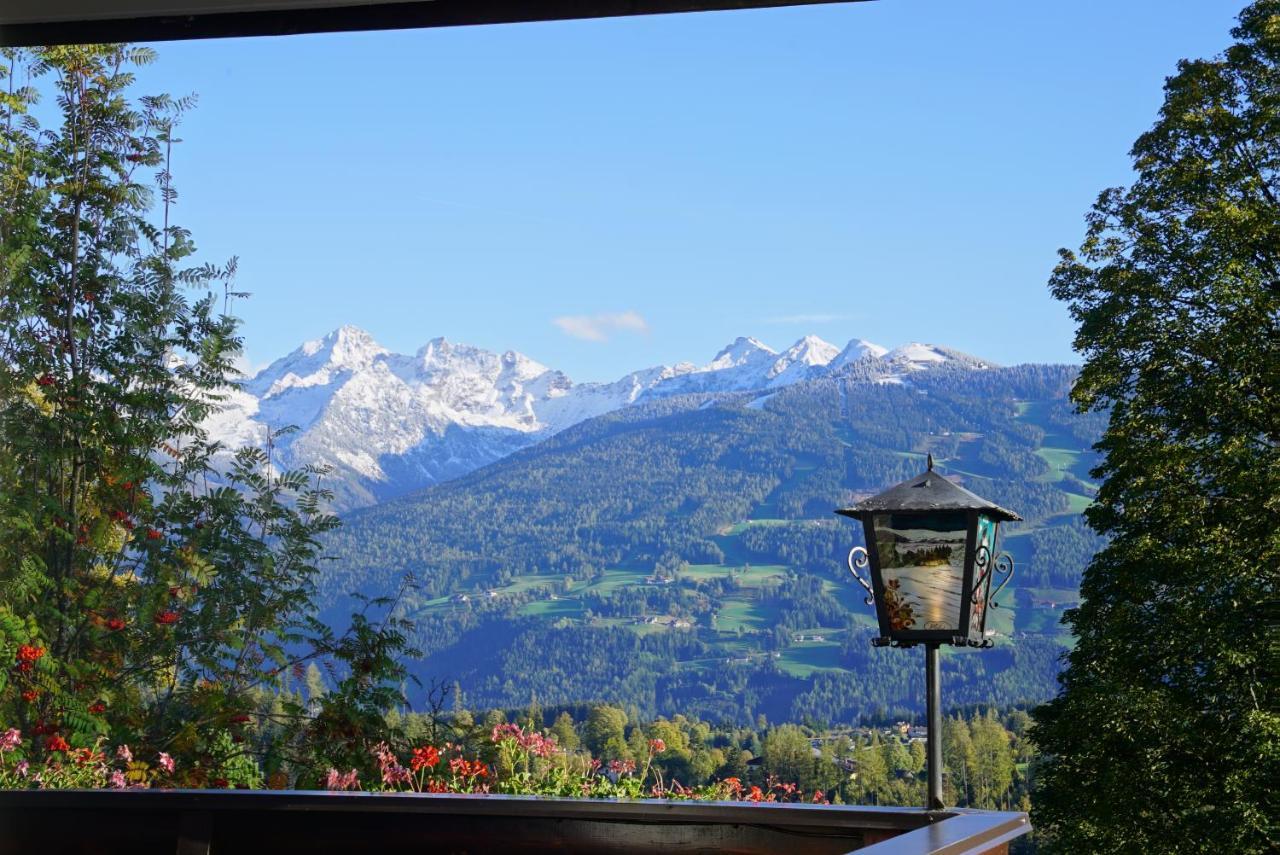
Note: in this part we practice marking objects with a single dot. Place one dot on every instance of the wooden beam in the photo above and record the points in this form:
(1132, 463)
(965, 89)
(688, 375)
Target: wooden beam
(328, 19)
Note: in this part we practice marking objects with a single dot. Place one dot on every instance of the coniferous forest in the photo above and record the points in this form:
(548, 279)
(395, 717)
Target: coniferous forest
(682, 556)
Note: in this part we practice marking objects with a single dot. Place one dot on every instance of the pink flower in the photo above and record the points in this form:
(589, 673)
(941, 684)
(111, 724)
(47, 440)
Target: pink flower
(339, 782)
(22, 768)
(10, 740)
(166, 762)
(657, 746)
(117, 780)
(124, 754)
(530, 740)
(394, 774)
(539, 745)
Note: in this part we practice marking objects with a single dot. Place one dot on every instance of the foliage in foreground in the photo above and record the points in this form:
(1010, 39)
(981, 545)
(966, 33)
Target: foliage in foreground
(1166, 737)
(147, 595)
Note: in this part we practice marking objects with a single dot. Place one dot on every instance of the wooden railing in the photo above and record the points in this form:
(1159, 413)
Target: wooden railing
(211, 822)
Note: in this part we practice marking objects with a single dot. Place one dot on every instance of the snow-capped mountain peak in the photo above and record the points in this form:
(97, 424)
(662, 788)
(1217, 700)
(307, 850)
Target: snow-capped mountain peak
(802, 360)
(390, 423)
(741, 351)
(812, 350)
(318, 362)
(856, 349)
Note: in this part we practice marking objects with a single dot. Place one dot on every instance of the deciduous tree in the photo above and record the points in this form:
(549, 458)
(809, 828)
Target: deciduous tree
(1166, 737)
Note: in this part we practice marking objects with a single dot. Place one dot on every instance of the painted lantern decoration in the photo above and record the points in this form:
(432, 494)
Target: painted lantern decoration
(932, 554)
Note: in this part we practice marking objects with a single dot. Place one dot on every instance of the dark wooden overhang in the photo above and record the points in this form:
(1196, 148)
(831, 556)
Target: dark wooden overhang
(46, 22)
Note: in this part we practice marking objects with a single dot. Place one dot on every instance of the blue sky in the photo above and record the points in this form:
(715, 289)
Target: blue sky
(607, 195)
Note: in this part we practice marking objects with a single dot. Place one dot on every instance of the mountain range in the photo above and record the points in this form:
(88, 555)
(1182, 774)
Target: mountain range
(389, 424)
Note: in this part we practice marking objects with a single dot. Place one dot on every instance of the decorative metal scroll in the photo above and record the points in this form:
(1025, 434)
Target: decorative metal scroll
(1004, 567)
(982, 566)
(858, 559)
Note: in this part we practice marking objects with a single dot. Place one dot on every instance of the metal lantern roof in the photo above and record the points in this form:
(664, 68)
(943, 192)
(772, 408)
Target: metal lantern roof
(927, 492)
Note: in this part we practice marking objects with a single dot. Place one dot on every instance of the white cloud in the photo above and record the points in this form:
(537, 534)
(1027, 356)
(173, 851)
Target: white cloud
(246, 368)
(601, 327)
(810, 319)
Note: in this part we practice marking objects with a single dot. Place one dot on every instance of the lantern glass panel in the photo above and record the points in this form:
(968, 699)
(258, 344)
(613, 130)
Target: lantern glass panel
(921, 563)
(984, 561)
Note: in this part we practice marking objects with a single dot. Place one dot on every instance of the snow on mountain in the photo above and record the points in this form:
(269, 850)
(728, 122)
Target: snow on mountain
(855, 350)
(390, 423)
(801, 361)
(921, 357)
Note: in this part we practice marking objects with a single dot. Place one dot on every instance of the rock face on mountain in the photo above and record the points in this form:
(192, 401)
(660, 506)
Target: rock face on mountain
(389, 424)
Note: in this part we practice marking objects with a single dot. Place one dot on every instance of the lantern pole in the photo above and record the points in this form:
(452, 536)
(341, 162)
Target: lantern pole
(933, 710)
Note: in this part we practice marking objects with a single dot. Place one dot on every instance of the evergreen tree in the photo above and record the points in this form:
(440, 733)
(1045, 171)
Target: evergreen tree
(565, 733)
(1166, 736)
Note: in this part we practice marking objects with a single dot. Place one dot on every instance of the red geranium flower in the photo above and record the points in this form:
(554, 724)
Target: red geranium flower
(97, 707)
(85, 756)
(115, 624)
(45, 380)
(153, 534)
(30, 695)
(57, 743)
(424, 756)
(166, 617)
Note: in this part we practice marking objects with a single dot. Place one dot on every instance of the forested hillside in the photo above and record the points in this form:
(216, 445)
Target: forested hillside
(681, 556)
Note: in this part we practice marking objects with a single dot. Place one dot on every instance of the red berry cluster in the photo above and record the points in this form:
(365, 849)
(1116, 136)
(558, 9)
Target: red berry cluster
(28, 655)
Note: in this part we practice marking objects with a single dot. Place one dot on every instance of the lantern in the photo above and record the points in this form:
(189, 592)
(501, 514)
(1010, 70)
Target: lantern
(932, 553)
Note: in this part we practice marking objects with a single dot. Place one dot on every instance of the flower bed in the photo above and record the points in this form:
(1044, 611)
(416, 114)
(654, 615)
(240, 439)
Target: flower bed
(524, 762)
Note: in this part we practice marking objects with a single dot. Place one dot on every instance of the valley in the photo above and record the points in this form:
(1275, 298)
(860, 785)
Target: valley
(681, 554)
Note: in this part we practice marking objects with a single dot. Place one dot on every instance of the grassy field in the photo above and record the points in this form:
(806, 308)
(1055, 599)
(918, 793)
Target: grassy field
(1078, 502)
(1040, 621)
(803, 658)
(1060, 596)
(739, 527)
(752, 576)
(552, 608)
(745, 615)
(1059, 451)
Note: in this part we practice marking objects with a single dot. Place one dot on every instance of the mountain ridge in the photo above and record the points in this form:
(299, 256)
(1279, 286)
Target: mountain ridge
(388, 423)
